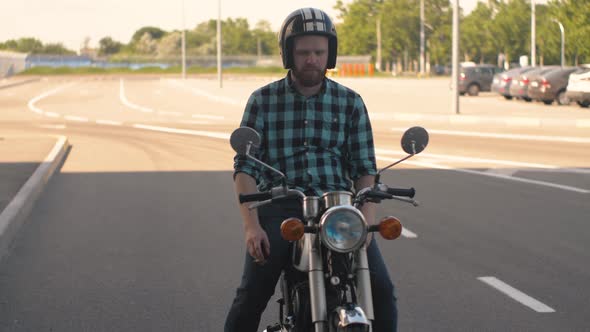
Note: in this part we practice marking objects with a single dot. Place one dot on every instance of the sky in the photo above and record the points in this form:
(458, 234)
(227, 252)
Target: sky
(70, 22)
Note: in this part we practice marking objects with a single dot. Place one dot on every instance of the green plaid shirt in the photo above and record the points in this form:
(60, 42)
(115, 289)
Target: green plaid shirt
(321, 143)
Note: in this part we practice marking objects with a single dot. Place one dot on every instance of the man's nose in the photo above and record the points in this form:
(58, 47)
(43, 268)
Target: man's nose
(311, 58)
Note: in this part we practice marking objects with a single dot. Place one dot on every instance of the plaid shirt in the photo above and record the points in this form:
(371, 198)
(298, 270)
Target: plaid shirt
(321, 143)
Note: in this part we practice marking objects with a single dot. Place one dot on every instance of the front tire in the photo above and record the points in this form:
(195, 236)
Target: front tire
(301, 308)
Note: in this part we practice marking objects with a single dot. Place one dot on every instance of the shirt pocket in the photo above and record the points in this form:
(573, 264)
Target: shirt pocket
(333, 129)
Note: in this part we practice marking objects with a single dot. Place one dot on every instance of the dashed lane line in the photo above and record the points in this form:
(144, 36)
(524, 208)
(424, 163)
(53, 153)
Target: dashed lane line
(109, 122)
(517, 295)
(209, 117)
(76, 118)
(210, 134)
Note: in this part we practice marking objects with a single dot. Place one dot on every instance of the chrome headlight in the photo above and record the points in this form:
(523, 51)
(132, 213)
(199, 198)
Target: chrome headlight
(343, 229)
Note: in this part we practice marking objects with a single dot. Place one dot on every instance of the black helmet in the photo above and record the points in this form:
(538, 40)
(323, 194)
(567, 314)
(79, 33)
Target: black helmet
(307, 21)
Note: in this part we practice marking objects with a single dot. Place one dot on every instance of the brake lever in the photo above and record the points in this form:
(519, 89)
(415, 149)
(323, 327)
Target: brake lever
(259, 204)
(406, 200)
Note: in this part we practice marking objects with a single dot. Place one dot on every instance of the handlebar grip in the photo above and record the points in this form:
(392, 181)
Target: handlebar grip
(263, 196)
(402, 192)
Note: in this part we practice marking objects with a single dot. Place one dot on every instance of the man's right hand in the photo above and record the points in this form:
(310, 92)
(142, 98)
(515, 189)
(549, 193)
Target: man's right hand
(257, 243)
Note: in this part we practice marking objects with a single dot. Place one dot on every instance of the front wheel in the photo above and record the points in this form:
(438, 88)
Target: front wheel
(584, 104)
(301, 308)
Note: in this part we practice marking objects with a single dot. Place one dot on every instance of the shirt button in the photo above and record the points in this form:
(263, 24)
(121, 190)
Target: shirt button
(305, 121)
(305, 143)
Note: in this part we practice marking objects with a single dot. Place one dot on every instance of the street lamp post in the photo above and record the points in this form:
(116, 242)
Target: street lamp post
(562, 41)
(421, 38)
(183, 44)
(455, 59)
(219, 78)
(533, 34)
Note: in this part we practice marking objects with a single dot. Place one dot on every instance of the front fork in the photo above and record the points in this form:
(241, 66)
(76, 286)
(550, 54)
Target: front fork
(317, 288)
(363, 277)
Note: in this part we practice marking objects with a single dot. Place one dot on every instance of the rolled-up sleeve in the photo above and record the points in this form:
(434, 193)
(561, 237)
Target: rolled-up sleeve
(361, 148)
(252, 118)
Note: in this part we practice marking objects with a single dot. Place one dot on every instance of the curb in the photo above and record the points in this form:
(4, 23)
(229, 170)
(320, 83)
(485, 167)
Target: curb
(6, 86)
(15, 213)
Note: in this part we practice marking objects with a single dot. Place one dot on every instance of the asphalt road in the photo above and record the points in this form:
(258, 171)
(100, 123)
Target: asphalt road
(139, 231)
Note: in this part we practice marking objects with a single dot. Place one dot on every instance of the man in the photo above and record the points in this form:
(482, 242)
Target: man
(317, 132)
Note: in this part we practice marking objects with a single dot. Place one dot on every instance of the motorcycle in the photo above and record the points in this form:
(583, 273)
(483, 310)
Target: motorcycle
(326, 287)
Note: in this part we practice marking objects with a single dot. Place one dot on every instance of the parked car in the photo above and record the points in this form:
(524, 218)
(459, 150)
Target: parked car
(551, 86)
(474, 79)
(578, 87)
(502, 81)
(519, 88)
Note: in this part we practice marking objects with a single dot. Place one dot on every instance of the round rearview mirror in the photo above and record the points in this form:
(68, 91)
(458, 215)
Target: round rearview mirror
(415, 140)
(243, 136)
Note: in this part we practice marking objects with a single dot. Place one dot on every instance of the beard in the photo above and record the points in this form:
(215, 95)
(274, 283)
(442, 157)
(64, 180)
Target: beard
(309, 76)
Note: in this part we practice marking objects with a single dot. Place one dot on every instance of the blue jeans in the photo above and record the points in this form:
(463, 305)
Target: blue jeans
(258, 282)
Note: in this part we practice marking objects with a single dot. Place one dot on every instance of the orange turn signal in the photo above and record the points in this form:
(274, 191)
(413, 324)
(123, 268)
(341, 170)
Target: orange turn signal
(390, 228)
(292, 229)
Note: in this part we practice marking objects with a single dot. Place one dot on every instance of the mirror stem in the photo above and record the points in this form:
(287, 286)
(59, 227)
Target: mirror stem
(395, 163)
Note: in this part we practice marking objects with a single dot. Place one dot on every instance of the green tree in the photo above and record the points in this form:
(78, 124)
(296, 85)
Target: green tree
(108, 46)
(29, 45)
(153, 32)
(10, 45)
(477, 41)
(237, 37)
(56, 49)
(575, 16)
(512, 28)
(263, 34)
(357, 32)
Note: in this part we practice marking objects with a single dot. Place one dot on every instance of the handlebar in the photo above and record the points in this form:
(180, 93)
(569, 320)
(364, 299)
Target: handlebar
(402, 192)
(263, 196)
(275, 194)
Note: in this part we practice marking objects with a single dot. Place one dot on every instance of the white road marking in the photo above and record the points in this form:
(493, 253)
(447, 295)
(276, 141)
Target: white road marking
(210, 117)
(563, 139)
(517, 295)
(75, 118)
(60, 126)
(170, 113)
(523, 122)
(199, 122)
(109, 122)
(408, 233)
(211, 134)
(471, 159)
(499, 176)
(52, 115)
(46, 94)
(206, 94)
(128, 103)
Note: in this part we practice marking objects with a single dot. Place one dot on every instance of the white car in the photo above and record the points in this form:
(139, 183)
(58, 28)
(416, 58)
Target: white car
(578, 87)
